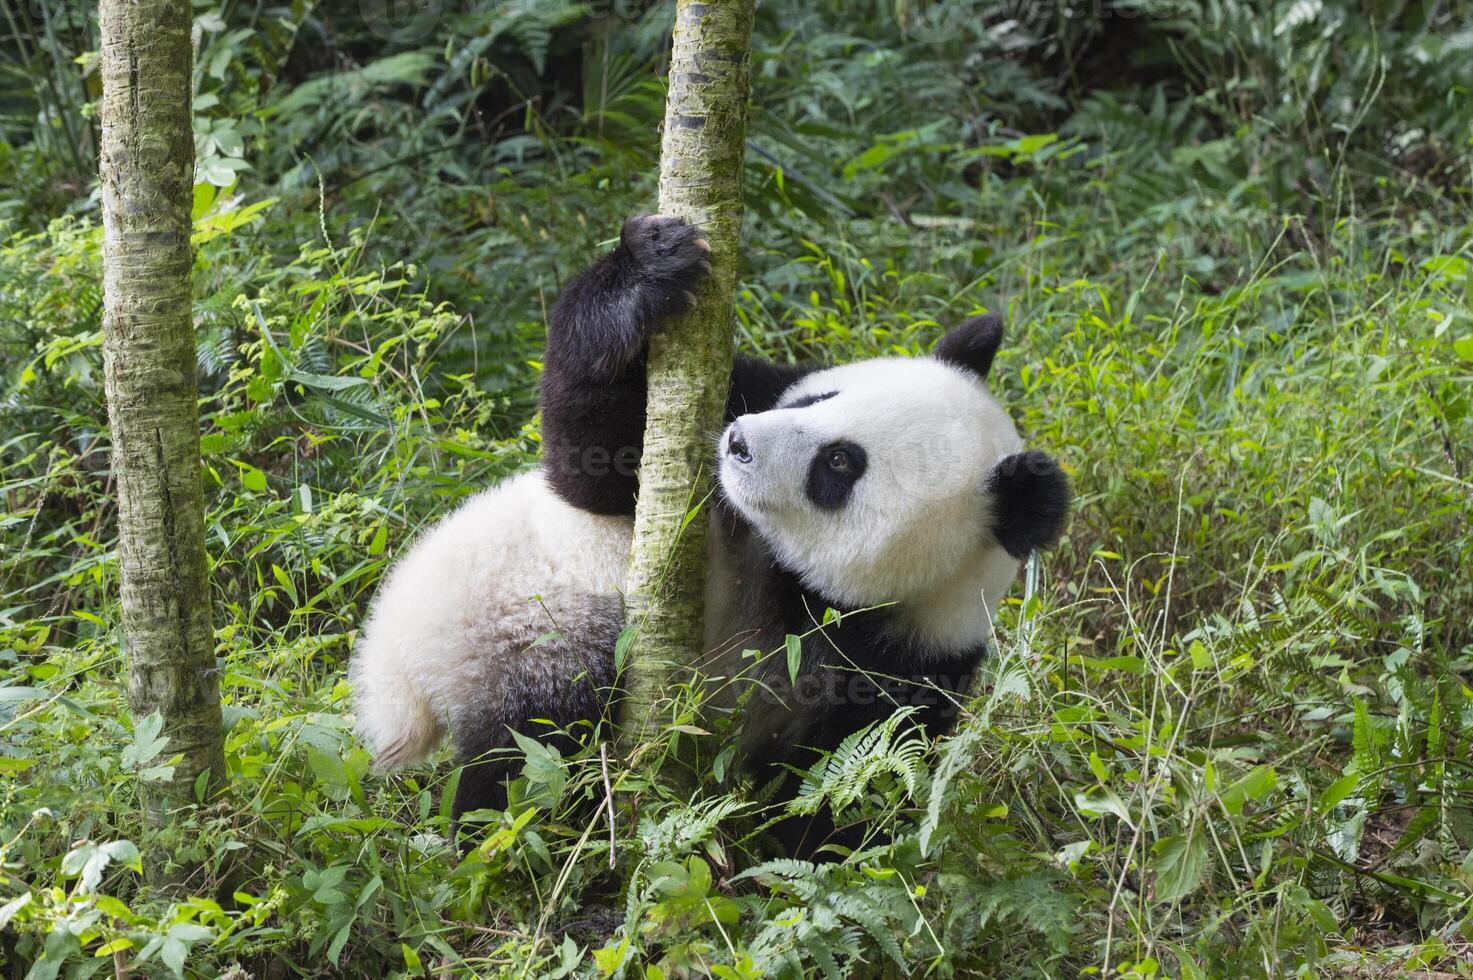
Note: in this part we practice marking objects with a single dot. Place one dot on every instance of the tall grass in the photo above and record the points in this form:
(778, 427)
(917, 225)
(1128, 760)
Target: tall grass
(1226, 729)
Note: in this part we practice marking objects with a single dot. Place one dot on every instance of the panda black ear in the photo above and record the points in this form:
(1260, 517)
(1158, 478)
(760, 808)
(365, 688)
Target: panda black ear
(972, 345)
(1030, 502)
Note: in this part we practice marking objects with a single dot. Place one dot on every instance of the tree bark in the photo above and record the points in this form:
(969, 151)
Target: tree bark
(689, 363)
(147, 171)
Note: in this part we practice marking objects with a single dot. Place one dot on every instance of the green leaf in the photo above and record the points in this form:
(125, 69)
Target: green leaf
(173, 955)
(611, 958)
(61, 945)
(412, 964)
(795, 657)
(1100, 802)
(622, 644)
(871, 158)
(326, 382)
(221, 171)
(124, 852)
(285, 581)
(147, 742)
(1027, 146)
(1255, 786)
(335, 948)
(90, 861)
(13, 694)
(251, 478)
(1435, 737)
(117, 945)
(1179, 863)
(1464, 347)
(1453, 267)
(1338, 791)
(1364, 750)
(204, 199)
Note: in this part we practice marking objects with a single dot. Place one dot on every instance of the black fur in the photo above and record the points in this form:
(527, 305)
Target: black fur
(829, 486)
(593, 381)
(854, 672)
(1031, 502)
(557, 703)
(756, 385)
(593, 384)
(972, 345)
(807, 400)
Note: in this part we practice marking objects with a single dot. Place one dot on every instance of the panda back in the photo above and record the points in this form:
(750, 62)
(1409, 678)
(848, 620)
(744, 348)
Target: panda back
(468, 600)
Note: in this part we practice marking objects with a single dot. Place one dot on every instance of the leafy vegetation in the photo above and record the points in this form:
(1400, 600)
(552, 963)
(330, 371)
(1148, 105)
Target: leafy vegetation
(1227, 730)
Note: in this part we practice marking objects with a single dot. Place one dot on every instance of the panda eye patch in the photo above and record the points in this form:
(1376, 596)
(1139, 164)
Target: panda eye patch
(835, 469)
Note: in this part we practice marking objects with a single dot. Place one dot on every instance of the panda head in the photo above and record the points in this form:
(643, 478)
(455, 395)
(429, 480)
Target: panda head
(884, 480)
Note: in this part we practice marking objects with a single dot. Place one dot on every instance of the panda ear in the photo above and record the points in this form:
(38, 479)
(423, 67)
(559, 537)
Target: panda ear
(972, 345)
(1030, 499)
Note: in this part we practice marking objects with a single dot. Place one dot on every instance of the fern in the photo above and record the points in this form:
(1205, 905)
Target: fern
(1032, 903)
(1364, 741)
(824, 914)
(684, 828)
(957, 754)
(841, 777)
(529, 22)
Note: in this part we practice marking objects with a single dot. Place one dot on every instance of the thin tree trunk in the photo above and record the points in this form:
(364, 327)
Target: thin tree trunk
(147, 168)
(690, 360)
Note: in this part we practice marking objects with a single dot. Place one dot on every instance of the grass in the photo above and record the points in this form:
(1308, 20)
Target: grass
(1227, 743)
(1226, 732)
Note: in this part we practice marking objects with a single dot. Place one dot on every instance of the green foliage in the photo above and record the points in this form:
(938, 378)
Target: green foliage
(1227, 728)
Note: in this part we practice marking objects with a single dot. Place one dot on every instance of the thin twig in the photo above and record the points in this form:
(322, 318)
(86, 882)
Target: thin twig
(603, 758)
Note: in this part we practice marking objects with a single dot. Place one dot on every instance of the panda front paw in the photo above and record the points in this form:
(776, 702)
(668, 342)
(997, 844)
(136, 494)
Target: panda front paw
(667, 258)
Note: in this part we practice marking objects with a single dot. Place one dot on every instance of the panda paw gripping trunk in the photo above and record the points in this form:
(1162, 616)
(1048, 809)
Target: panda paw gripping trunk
(895, 491)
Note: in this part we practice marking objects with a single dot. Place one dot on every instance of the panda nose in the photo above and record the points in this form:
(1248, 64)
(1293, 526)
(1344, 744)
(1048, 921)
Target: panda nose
(737, 446)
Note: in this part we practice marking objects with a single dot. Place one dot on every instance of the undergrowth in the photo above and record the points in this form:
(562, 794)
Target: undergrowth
(1226, 729)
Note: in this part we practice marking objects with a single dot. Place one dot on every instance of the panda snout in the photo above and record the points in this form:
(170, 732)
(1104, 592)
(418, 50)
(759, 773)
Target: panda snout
(736, 446)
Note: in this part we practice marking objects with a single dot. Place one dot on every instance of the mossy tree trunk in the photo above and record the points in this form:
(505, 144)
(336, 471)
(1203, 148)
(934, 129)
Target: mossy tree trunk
(690, 360)
(147, 170)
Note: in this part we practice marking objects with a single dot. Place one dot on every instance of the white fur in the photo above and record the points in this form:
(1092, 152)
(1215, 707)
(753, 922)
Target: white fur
(511, 564)
(915, 530)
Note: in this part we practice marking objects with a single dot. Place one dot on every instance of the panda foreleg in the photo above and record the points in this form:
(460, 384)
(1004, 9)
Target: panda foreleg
(593, 381)
(604, 316)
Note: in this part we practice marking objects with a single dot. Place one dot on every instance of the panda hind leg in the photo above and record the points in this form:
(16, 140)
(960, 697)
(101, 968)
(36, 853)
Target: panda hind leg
(557, 695)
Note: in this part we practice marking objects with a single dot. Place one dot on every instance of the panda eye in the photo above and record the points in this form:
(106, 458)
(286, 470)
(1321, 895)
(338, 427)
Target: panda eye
(840, 462)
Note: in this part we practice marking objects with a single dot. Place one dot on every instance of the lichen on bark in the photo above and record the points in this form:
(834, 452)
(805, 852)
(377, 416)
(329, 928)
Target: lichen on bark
(689, 368)
(147, 176)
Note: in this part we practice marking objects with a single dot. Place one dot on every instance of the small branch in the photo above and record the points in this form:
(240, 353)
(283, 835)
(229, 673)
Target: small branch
(603, 757)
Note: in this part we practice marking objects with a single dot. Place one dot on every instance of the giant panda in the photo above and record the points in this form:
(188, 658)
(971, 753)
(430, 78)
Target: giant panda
(895, 492)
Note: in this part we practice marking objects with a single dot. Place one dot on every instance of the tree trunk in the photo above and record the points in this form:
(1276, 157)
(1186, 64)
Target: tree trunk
(690, 360)
(147, 170)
